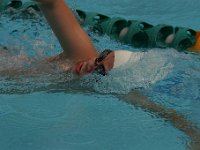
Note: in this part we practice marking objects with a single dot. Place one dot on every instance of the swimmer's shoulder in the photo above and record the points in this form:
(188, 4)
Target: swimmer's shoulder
(60, 57)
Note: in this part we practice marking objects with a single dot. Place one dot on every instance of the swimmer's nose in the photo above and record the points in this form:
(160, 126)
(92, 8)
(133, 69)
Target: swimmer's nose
(90, 66)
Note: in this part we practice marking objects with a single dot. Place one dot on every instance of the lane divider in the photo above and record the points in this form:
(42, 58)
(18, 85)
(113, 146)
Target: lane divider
(137, 33)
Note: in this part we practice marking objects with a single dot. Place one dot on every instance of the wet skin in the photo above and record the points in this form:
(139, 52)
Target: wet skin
(88, 66)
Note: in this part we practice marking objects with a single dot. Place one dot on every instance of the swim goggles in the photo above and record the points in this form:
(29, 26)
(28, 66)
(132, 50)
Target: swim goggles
(100, 68)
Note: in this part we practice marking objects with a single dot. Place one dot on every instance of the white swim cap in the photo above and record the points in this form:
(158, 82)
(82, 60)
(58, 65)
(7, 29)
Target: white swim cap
(121, 57)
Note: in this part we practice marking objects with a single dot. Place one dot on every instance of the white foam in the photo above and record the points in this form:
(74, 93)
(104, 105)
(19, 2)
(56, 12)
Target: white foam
(141, 71)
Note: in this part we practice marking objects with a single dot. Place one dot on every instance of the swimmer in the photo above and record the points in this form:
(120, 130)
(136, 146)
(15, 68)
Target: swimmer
(79, 49)
(82, 59)
(79, 55)
(76, 44)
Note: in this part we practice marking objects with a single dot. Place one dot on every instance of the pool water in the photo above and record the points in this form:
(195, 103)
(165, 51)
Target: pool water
(57, 112)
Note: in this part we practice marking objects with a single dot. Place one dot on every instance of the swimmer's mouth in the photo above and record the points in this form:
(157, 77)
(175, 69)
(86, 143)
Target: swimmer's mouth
(79, 67)
(86, 70)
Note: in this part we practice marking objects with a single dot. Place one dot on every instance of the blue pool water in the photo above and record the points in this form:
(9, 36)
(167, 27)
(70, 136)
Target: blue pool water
(56, 112)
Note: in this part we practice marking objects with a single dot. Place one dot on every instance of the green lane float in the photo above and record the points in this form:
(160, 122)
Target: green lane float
(158, 34)
(136, 35)
(91, 18)
(15, 4)
(140, 34)
(113, 26)
(134, 32)
(5, 4)
(18, 5)
(184, 38)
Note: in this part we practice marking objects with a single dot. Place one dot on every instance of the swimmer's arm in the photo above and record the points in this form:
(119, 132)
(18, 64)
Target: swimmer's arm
(177, 120)
(73, 39)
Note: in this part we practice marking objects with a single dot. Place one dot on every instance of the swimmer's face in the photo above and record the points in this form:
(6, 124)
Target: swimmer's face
(95, 65)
